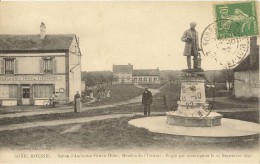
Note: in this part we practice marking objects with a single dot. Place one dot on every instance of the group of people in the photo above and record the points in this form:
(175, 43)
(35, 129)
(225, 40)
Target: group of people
(103, 93)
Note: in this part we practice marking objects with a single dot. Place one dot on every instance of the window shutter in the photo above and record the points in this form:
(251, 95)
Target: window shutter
(54, 65)
(15, 66)
(41, 66)
(2, 66)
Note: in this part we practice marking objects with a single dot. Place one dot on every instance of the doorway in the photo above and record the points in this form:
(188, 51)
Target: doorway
(26, 95)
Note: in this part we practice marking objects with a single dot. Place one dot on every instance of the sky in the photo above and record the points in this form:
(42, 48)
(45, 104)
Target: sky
(145, 34)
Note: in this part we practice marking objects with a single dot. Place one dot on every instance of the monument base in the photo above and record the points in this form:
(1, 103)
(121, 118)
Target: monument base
(213, 119)
(230, 130)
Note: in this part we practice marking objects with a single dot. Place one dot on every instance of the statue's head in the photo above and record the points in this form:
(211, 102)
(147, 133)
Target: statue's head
(193, 25)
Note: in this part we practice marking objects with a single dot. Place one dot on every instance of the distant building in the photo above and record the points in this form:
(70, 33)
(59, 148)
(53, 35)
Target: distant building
(146, 76)
(246, 83)
(33, 66)
(125, 74)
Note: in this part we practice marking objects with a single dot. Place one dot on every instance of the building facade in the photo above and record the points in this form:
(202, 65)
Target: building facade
(32, 67)
(146, 76)
(125, 74)
(246, 74)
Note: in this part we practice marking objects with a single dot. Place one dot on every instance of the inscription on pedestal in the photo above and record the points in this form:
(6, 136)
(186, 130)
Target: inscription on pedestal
(192, 107)
(192, 92)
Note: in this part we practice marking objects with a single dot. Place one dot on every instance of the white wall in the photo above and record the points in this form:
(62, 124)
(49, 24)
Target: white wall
(246, 84)
(122, 75)
(60, 64)
(30, 63)
(74, 71)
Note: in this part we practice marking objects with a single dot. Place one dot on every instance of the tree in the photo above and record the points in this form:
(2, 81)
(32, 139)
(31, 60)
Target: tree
(90, 80)
(228, 76)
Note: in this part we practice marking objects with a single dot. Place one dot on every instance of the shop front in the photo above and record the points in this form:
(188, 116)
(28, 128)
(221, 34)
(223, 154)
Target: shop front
(31, 89)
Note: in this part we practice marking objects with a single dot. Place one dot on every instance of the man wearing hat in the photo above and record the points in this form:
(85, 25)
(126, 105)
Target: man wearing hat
(147, 100)
(190, 36)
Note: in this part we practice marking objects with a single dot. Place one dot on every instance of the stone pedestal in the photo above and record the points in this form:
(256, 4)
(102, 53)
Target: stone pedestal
(192, 107)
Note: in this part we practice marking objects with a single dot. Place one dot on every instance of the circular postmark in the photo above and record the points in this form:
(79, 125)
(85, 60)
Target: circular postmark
(227, 52)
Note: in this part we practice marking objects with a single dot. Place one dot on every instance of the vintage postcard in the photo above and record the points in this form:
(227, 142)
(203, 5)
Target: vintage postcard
(129, 82)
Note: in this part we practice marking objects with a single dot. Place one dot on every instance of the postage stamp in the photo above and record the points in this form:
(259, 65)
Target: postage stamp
(227, 52)
(236, 19)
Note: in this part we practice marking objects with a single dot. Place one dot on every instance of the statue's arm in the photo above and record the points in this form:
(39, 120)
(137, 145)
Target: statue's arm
(184, 37)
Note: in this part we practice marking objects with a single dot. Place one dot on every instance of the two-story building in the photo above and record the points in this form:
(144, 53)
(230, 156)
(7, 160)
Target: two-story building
(122, 74)
(32, 67)
(125, 74)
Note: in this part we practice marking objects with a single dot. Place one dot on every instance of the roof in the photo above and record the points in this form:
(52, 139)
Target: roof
(246, 65)
(123, 68)
(146, 72)
(251, 62)
(10, 43)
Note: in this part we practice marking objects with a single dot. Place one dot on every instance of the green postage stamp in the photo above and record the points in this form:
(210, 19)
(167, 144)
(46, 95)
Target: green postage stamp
(236, 19)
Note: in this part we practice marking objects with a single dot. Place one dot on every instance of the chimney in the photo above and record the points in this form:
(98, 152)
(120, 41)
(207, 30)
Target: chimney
(42, 31)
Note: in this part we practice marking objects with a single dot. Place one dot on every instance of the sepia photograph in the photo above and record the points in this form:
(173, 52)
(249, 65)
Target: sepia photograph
(129, 82)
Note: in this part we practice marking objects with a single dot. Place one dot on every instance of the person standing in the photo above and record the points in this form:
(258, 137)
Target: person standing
(190, 37)
(108, 93)
(98, 95)
(77, 103)
(91, 96)
(53, 99)
(147, 100)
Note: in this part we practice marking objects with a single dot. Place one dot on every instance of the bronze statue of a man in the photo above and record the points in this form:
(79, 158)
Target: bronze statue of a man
(190, 36)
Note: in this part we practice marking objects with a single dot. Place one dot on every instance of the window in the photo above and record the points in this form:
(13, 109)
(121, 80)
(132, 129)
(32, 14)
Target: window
(9, 66)
(48, 65)
(122, 79)
(42, 91)
(8, 91)
(140, 79)
(155, 78)
(145, 79)
(150, 79)
(135, 79)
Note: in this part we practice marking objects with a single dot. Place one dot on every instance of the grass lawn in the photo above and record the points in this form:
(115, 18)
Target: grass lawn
(119, 93)
(157, 106)
(117, 133)
(106, 134)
